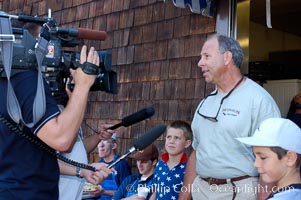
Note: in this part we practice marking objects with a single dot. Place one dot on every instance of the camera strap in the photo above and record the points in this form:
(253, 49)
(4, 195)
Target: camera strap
(13, 106)
(88, 68)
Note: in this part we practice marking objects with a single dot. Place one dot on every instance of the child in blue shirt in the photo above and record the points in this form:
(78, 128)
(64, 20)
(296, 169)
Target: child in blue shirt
(169, 172)
(146, 162)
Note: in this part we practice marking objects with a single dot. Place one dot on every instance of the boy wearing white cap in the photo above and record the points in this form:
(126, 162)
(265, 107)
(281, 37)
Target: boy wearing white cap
(277, 147)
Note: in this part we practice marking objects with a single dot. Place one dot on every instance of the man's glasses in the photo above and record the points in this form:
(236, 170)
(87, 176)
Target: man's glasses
(214, 119)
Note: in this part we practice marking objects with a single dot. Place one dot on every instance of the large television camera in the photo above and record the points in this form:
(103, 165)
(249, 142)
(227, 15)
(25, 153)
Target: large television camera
(57, 62)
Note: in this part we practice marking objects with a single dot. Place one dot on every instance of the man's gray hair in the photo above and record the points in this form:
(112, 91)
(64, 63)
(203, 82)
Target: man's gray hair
(229, 44)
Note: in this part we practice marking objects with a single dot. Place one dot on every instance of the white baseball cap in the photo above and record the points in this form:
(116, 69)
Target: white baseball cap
(276, 132)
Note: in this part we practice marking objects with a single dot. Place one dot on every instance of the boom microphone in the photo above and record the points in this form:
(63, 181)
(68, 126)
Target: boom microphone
(135, 117)
(148, 138)
(142, 142)
(81, 33)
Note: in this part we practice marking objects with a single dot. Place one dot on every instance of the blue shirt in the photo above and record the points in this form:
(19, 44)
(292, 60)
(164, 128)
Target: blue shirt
(112, 182)
(27, 171)
(168, 182)
(130, 186)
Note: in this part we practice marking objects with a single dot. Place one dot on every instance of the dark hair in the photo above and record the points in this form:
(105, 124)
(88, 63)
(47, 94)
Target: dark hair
(33, 28)
(282, 152)
(230, 44)
(294, 106)
(184, 126)
(153, 159)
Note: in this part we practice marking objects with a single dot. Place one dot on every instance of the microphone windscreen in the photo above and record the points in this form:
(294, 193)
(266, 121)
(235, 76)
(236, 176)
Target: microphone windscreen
(138, 116)
(91, 34)
(149, 137)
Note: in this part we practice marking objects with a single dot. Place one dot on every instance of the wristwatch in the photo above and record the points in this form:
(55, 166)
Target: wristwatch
(78, 171)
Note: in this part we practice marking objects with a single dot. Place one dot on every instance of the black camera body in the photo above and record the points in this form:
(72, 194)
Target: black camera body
(57, 62)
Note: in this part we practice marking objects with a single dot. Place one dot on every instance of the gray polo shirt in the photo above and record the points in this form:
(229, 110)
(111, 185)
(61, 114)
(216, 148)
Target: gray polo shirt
(218, 153)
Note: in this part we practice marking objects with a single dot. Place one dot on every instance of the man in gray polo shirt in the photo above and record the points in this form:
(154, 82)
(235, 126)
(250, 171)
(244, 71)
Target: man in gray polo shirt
(220, 167)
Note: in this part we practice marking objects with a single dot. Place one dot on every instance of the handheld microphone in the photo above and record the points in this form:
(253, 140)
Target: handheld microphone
(142, 142)
(148, 138)
(135, 117)
(81, 33)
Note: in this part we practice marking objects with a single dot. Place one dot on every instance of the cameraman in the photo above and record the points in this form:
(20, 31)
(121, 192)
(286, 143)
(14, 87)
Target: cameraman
(73, 176)
(27, 171)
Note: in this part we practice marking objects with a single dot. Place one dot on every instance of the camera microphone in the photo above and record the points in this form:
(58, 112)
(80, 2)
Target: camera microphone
(142, 142)
(135, 117)
(81, 33)
(26, 18)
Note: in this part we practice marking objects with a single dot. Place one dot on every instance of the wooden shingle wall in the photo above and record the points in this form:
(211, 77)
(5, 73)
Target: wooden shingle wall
(155, 49)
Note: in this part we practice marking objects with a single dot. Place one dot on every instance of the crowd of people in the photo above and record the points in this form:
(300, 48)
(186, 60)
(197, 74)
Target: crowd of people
(242, 148)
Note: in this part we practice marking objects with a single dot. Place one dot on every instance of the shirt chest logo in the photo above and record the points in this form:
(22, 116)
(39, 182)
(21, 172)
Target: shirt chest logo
(230, 112)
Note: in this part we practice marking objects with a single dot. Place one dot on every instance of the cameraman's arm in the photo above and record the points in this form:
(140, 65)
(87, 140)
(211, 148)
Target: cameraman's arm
(59, 132)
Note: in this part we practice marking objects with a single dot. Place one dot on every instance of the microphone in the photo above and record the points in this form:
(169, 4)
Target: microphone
(81, 33)
(148, 138)
(142, 142)
(135, 117)
(25, 18)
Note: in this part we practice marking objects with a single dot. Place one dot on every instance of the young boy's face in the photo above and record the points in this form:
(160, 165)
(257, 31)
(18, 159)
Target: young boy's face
(175, 141)
(270, 168)
(146, 167)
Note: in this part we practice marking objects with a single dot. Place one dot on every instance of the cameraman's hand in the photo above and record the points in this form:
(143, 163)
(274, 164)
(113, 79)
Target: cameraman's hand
(80, 78)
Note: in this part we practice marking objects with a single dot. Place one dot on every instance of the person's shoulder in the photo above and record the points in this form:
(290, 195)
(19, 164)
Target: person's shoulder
(250, 84)
(124, 162)
(256, 92)
(292, 191)
(158, 165)
(135, 176)
(131, 178)
(26, 74)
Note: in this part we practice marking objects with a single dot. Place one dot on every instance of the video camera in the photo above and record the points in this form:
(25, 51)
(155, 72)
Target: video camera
(57, 62)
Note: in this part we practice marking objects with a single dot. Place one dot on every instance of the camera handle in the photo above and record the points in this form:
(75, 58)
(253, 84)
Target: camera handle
(87, 67)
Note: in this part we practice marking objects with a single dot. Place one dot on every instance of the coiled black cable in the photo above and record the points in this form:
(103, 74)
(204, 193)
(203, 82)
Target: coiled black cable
(35, 140)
